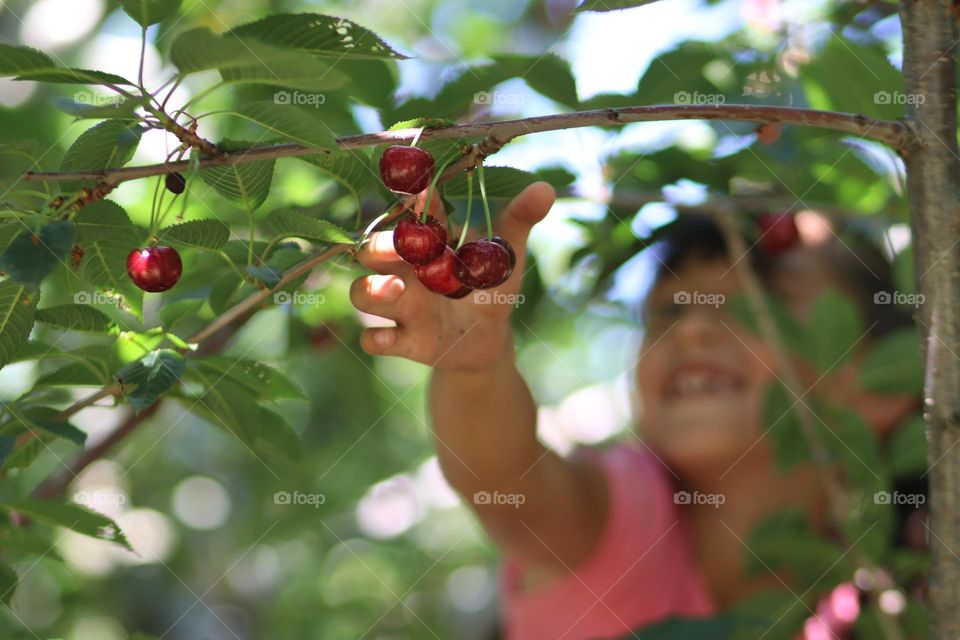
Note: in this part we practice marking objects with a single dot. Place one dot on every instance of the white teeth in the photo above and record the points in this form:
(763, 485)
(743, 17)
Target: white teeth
(695, 382)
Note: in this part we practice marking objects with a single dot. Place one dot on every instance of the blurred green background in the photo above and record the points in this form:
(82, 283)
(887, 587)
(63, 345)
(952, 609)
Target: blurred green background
(361, 537)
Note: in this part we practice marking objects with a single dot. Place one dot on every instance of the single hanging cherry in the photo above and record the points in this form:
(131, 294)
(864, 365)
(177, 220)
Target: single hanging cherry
(155, 268)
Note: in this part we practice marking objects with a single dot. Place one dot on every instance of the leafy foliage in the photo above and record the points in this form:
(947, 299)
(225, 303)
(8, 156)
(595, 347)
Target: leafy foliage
(293, 404)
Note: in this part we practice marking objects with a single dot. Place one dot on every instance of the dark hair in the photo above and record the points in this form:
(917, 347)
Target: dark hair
(862, 269)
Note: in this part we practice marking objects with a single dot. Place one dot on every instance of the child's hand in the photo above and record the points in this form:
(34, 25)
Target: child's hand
(468, 333)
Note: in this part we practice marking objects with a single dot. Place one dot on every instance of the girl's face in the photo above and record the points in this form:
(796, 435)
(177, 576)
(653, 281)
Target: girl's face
(701, 375)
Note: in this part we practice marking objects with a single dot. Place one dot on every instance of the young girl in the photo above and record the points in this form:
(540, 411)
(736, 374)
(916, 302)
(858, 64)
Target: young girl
(612, 540)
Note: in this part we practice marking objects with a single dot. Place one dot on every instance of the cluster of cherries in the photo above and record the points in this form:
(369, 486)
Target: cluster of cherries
(422, 240)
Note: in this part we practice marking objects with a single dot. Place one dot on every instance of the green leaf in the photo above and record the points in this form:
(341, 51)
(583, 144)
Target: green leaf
(222, 292)
(44, 419)
(106, 235)
(548, 75)
(197, 234)
(790, 330)
(286, 223)
(611, 5)
(852, 443)
(73, 374)
(906, 450)
(103, 219)
(200, 49)
(8, 232)
(785, 541)
(318, 34)
(249, 60)
(109, 144)
(154, 374)
(69, 515)
(227, 404)
(8, 584)
(30, 64)
(878, 91)
(247, 182)
(777, 613)
(16, 320)
(30, 257)
(294, 73)
(272, 271)
(173, 312)
(24, 455)
(780, 417)
(148, 12)
(76, 317)
(73, 76)
(17, 60)
(263, 380)
(350, 167)
(7, 443)
(24, 542)
(893, 365)
(501, 182)
(297, 124)
(719, 627)
(835, 324)
(121, 109)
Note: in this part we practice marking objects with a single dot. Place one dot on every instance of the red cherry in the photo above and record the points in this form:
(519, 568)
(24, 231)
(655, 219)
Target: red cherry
(482, 264)
(778, 232)
(175, 183)
(438, 276)
(155, 268)
(419, 243)
(459, 293)
(406, 169)
(513, 256)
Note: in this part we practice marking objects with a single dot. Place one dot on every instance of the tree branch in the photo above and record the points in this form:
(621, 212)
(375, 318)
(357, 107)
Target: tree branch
(933, 182)
(892, 133)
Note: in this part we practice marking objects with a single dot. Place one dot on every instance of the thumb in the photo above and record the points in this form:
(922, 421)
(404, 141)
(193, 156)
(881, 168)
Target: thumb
(528, 208)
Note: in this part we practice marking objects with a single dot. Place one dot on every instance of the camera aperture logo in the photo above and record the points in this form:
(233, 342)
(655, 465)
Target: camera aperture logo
(898, 297)
(485, 497)
(299, 98)
(686, 497)
(496, 297)
(299, 498)
(896, 497)
(699, 298)
(301, 298)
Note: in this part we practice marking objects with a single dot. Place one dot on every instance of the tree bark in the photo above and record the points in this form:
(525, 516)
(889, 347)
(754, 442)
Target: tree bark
(933, 180)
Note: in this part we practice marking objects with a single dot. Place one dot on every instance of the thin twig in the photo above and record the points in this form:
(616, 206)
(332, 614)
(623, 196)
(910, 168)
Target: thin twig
(837, 497)
(890, 132)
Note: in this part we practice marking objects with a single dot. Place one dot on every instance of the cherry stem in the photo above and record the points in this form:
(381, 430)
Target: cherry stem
(466, 221)
(486, 205)
(433, 187)
(416, 138)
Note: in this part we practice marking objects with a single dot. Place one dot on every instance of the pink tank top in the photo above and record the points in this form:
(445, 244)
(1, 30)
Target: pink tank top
(641, 571)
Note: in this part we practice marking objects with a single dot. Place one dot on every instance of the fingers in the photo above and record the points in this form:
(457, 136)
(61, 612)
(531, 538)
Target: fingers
(377, 295)
(378, 254)
(383, 341)
(528, 208)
